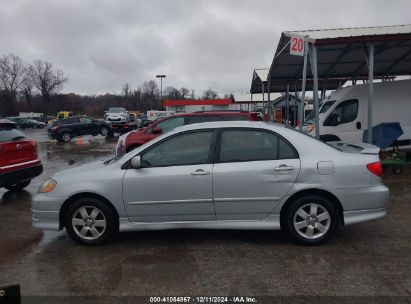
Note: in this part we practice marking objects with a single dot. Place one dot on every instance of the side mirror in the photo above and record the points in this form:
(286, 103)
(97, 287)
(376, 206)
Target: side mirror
(136, 162)
(332, 120)
(156, 130)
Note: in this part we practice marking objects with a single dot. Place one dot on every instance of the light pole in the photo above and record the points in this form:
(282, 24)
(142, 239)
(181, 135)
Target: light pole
(161, 89)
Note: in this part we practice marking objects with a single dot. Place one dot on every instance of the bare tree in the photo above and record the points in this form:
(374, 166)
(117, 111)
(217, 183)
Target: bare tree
(126, 90)
(172, 93)
(12, 75)
(210, 94)
(184, 92)
(150, 91)
(46, 80)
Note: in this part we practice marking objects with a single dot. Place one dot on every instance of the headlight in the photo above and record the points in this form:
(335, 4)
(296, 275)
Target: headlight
(47, 186)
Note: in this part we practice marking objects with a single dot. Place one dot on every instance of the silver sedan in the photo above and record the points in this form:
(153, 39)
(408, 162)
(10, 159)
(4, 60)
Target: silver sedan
(218, 175)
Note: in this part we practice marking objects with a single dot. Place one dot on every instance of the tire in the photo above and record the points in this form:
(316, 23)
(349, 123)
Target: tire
(88, 231)
(104, 131)
(303, 228)
(66, 136)
(18, 186)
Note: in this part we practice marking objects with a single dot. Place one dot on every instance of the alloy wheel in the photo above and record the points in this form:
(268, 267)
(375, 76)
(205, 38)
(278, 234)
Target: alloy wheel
(312, 221)
(89, 222)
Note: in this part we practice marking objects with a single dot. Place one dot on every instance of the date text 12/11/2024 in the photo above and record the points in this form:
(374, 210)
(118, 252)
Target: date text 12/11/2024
(203, 299)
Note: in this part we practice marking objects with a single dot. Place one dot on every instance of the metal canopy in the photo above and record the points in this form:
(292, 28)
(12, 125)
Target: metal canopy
(341, 53)
(280, 86)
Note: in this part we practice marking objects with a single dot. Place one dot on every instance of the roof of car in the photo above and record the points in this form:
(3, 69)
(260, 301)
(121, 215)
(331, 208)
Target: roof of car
(201, 113)
(229, 124)
(6, 122)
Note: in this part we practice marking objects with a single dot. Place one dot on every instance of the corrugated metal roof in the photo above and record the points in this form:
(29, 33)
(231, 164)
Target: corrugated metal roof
(196, 102)
(352, 32)
(257, 97)
(341, 54)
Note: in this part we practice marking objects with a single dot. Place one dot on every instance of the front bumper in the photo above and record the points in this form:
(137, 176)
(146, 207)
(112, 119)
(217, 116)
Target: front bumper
(19, 175)
(45, 211)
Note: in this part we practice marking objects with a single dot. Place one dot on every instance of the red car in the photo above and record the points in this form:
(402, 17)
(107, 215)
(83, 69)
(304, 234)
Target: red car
(135, 139)
(19, 162)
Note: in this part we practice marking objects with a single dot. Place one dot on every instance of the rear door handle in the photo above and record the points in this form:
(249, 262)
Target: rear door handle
(284, 168)
(200, 172)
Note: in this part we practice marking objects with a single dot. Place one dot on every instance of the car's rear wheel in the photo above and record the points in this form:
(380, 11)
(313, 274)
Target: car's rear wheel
(66, 137)
(90, 221)
(104, 131)
(311, 220)
(18, 186)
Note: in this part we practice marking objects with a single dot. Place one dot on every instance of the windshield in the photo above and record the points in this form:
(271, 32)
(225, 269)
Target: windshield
(116, 110)
(324, 106)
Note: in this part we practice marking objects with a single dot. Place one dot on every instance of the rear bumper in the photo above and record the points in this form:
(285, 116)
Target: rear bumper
(19, 175)
(354, 217)
(363, 204)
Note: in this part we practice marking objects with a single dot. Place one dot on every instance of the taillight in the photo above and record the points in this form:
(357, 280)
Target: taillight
(54, 128)
(34, 144)
(375, 168)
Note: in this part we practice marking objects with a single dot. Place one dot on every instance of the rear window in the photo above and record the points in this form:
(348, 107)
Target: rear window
(202, 118)
(234, 117)
(10, 134)
(70, 121)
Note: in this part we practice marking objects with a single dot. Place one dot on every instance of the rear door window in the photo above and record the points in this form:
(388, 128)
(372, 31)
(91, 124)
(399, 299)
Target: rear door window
(235, 117)
(253, 145)
(202, 118)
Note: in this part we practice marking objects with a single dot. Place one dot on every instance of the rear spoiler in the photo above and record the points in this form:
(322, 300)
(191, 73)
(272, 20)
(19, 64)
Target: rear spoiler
(362, 148)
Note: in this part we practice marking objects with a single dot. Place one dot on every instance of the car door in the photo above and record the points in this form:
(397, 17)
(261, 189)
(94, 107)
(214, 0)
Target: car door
(87, 126)
(175, 181)
(254, 170)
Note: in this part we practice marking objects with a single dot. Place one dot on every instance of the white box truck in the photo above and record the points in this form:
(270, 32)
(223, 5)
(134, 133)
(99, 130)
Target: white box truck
(344, 114)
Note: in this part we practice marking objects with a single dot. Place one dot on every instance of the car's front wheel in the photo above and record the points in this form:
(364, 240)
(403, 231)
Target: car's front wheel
(18, 186)
(90, 221)
(104, 131)
(311, 220)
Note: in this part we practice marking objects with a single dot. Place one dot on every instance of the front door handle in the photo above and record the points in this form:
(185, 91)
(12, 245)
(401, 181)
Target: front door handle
(358, 125)
(200, 172)
(284, 168)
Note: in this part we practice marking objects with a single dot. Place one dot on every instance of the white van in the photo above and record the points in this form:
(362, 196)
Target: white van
(344, 114)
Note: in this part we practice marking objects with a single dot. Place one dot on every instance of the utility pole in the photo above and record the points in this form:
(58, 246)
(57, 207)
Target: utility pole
(161, 89)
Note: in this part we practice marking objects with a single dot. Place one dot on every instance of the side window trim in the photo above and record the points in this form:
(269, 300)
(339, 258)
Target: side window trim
(211, 152)
(219, 141)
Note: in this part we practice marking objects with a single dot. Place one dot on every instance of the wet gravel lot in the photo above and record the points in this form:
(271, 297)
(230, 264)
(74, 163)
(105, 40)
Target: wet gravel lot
(369, 259)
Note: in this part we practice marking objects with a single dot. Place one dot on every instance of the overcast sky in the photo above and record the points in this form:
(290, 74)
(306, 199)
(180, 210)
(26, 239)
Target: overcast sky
(102, 44)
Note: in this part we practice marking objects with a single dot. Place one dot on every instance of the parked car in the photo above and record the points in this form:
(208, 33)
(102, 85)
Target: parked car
(19, 162)
(30, 124)
(133, 140)
(117, 116)
(66, 129)
(343, 115)
(218, 175)
(65, 114)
